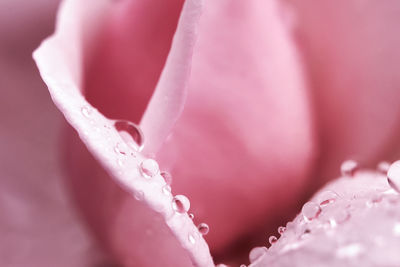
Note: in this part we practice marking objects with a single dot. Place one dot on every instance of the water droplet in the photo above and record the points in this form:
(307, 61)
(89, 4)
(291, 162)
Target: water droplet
(191, 239)
(86, 111)
(130, 133)
(243, 265)
(281, 229)
(181, 203)
(393, 176)
(349, 251)
(120, 149)
(338, 216)
(272, 239)
(383, 167)
(327, 197)
(120, 162)
(310, 211)
(256, 253)
(191, 216)
(396, 229)
(166, 190)
(167, 177)
(149, 168)
(349, 168)
(203, 228)
(139, 195)
(221, 265)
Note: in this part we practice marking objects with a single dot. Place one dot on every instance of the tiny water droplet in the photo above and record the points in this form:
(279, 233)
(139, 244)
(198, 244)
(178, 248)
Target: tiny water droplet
(396, 229)
(120, 162)
(166, 190)
(310, 211)
(130, 133)
(338, 216)
(349, 168)
(272, 239)
(256, 253)
(167, 177)
(191, 238)
(393, 176)
(149, 168)
(139, 195)
(383, 167)
(120, 149)
(243, 265)
(203, 228)
(86, 111)
(181, 203)
(221, 265)
(191, 216)
(327, 197)
(281, 229)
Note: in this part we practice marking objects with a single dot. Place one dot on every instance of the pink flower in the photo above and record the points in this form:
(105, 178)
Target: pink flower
(251, 106)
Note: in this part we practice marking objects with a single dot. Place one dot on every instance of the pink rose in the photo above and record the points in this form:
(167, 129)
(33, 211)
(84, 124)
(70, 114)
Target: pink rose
(251, 106)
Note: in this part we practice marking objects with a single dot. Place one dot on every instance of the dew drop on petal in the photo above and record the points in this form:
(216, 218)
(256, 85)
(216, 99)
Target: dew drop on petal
(166, 190)
(393, 176)
(243, 265)
(120, 149)
(349, 168)
(181, 203)
(139, 195)
(221, 265)
(203, 228)
(327, 197)
(272, 239)
(339, 216)
(167, 177)
(256, 253)
(130, 133)
(383, 167)
(149, 168)
(281, 229)
(191, 238)
(191, 216)
(310, 211)
(86, 111)
(396, 229)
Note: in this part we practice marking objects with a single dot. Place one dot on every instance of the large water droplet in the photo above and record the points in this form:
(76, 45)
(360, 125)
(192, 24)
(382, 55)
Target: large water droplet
(327, 197)
(86, 111)
(281, 229)
(393, 176)
(272, 239)
(167, 177)
(203, 228)
(349, 168)
(130, 133)
(310, 211)
(149, 168)
(256, 253)
(181, 203)
(383, 167)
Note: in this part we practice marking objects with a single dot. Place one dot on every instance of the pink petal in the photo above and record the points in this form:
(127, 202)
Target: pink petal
(360, 227)
(143, 232)
(38, 225)
(352, 52)
(243, 146)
